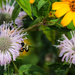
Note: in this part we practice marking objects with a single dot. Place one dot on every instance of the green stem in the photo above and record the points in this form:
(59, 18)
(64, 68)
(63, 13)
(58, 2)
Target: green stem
(48, 8)
(8, 69)
(39, 24)
(31, 27)
(67, 72)
(24, 16)
(53, 23)
(58, 20)
(15, 67)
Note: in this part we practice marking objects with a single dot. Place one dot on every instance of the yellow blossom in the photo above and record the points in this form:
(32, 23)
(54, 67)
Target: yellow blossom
(67, 8)
(32, 1)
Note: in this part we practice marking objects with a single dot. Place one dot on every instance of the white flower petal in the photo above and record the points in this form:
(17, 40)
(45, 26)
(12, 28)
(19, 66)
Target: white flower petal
(12, 52)
(67, 48)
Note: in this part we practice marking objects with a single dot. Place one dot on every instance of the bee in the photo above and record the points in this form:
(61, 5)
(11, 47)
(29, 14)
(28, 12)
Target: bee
(24, 47)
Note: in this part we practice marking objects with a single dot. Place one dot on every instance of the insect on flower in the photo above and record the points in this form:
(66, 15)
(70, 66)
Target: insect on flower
(9, 43)
(24, 47)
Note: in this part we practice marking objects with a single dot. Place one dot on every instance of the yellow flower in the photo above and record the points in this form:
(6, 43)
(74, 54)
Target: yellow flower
(67, 8)
(32, 1)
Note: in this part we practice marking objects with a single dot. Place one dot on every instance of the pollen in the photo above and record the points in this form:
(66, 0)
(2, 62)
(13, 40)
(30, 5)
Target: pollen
(72, 5)
(4, 43)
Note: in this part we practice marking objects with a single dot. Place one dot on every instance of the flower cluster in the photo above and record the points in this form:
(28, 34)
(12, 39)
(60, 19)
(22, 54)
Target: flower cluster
(67, 48)
(9, 44)
(10, 38)
(7, 11)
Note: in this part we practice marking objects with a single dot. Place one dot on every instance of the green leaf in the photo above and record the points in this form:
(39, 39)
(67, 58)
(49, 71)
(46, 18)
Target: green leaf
(15, 12)
(42, 11)
(50, 34)
(37, 20)
(57, 24)
(71, 26)
(59, 68)
(41, 3)
(60, 29)
(2, 1)
(25, 5)
(31, 70)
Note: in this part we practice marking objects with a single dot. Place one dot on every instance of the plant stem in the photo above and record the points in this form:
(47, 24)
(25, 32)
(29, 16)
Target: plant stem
(24, 16)
(48, 8)
(8, 69)
(67, 72)
(39, 24)
(31, 27)
(55, 22)
(15, 67)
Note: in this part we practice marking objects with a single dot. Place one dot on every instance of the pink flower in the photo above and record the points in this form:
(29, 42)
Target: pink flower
(67, 48)
(8, 9)
(9, 44)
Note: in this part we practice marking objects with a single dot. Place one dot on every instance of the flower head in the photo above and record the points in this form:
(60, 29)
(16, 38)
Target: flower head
(67, 8)
(7, 10)
(9, 44)
(32, 1)
(67, 48)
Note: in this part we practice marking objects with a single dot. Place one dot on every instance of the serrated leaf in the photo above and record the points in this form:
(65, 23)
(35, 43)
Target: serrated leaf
(41, 3)
(25, 5)
(15, 12)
